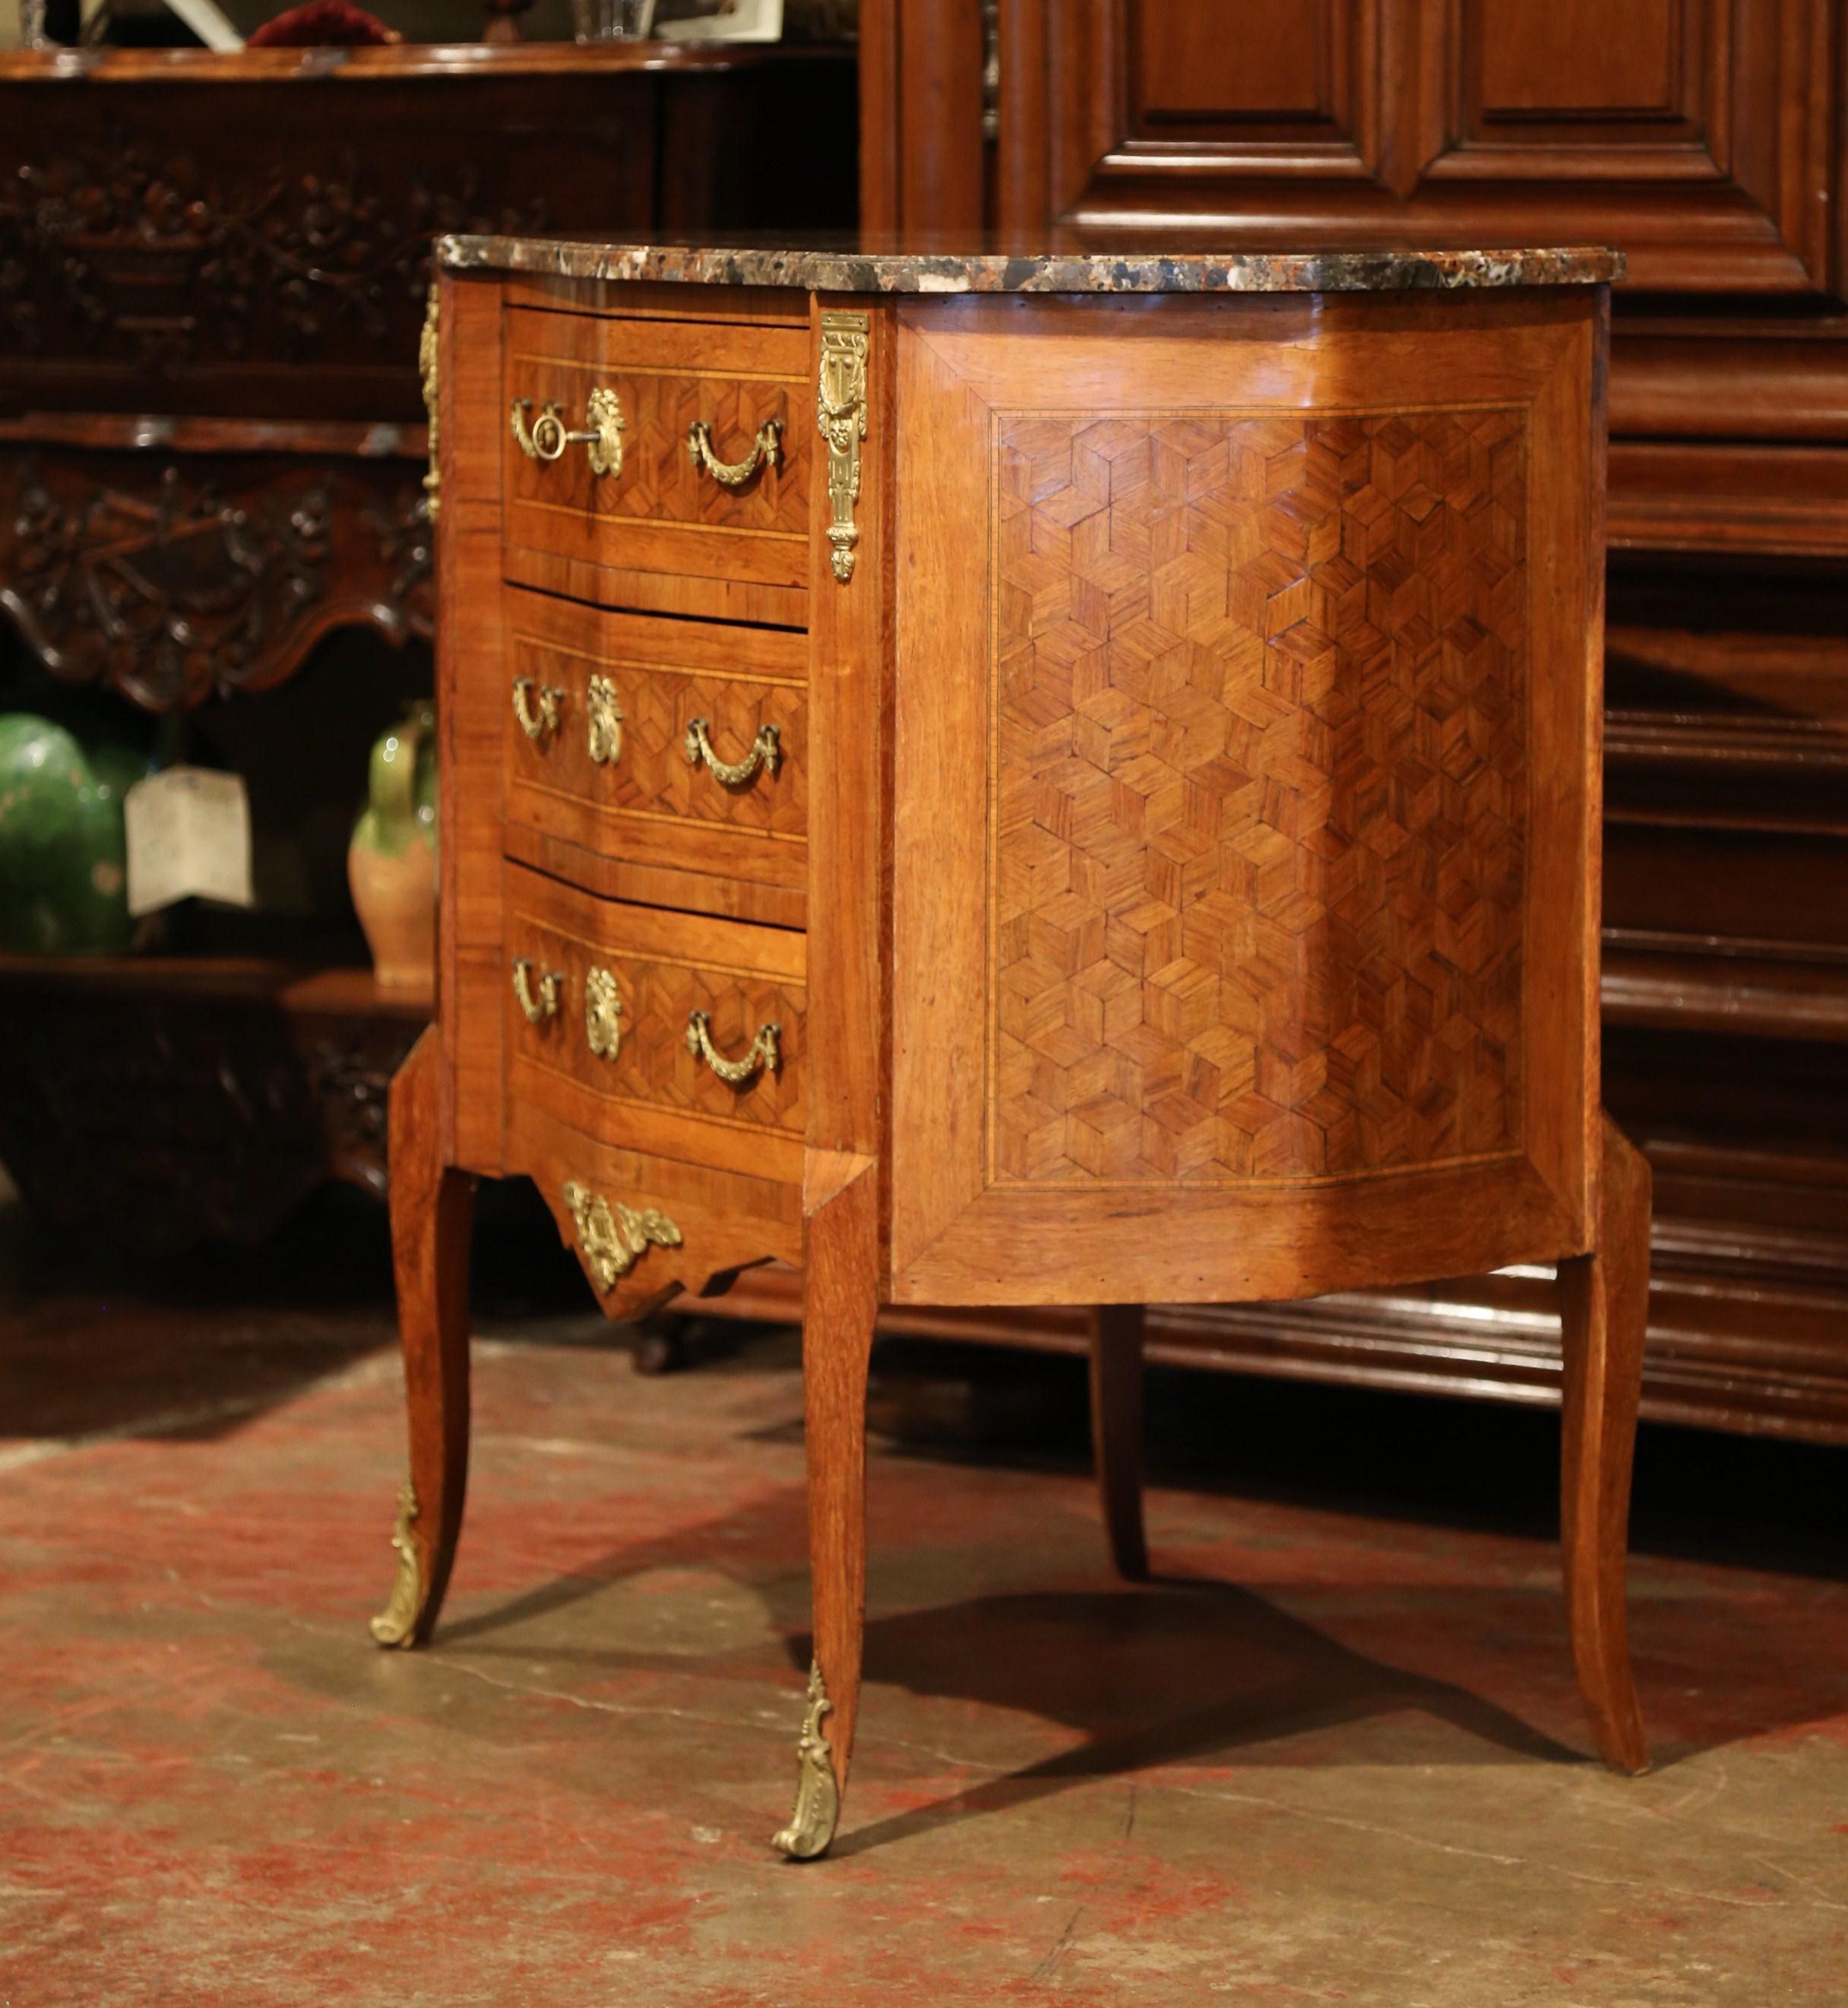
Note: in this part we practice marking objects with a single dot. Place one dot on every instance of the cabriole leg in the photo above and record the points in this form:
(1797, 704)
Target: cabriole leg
(432, 1208)
(1605, 1309)
(841, 1303)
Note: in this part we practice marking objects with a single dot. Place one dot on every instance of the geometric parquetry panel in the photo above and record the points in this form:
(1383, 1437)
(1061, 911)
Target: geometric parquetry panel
(1258, 792)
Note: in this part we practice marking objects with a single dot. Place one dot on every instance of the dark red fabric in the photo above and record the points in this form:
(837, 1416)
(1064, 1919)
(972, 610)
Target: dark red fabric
(321, 24)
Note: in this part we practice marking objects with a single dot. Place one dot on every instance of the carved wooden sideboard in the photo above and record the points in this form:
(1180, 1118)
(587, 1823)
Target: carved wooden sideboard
(1021, 781)
(1704, 139)
(213, 277)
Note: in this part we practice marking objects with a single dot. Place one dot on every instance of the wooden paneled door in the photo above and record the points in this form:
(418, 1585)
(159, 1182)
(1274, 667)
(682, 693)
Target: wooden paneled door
(1697, 132)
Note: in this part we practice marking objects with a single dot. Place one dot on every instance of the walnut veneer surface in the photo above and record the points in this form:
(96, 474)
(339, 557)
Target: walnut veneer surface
(1021, 796)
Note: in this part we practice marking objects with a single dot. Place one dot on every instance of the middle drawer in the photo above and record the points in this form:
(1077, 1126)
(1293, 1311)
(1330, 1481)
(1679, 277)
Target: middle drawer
(667, 1032)
(659, 747)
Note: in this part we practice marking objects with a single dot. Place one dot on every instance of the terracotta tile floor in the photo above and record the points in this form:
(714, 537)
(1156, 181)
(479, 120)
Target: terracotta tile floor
(1335, 1756)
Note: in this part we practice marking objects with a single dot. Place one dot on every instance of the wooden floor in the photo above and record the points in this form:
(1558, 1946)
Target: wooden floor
(1333, 1753)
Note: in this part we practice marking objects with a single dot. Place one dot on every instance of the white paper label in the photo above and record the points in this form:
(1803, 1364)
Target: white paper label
(188, 833)
(206, 20)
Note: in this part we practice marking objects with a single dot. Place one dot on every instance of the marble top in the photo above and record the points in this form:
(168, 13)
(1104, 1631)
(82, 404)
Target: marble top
(850, 268)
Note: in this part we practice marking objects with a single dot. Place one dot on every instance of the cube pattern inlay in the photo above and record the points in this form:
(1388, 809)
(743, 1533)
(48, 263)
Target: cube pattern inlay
(1257, 785)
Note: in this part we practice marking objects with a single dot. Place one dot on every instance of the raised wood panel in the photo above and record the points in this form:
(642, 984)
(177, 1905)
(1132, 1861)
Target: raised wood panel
(1731, 730)
(1695, 134)
(921, 115)
(1727, 854)
(1746, 996)
(1578, 63)
(1694, 881)
(1786, 382)
(1205, 71)
(1762, 501)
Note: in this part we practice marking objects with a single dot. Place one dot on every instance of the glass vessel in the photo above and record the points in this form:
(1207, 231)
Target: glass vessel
(613, 21)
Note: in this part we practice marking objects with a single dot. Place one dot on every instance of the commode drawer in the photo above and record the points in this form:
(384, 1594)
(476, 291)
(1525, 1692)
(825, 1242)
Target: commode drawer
(669, 745)
(669, 1033)
(675, 449)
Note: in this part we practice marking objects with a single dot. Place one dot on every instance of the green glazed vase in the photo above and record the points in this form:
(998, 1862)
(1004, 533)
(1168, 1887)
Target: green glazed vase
(63, 854)
(391, 862)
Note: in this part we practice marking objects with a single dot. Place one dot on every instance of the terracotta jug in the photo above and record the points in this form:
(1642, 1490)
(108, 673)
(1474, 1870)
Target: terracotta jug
(391, 862)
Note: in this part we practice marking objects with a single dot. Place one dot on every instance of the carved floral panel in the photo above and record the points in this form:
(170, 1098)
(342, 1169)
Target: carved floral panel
(166, 259)
(171, 579)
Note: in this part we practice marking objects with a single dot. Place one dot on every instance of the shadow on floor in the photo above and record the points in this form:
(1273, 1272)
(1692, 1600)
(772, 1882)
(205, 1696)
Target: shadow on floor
(1185, 1670)
(1179, 1672)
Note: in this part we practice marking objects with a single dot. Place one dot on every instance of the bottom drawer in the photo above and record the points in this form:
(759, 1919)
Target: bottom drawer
(646, 1228)
(674, 1033)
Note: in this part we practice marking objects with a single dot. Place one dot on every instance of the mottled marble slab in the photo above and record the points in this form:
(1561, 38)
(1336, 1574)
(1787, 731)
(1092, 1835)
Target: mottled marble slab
(848, 270)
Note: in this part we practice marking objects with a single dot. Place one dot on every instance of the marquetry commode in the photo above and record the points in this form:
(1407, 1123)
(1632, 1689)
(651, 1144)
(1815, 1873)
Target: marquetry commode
(1013, 780)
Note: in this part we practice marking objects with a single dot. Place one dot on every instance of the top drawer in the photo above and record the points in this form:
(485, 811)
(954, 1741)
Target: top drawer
(693, 495)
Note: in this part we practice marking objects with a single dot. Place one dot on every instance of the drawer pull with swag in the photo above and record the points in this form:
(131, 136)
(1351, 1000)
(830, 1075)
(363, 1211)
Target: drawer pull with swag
(766, 751)
(765, 452)
(763, 1051)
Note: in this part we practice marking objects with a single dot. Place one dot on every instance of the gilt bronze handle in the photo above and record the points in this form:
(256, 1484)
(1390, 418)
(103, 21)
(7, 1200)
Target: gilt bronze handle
(764, 1052)
(734, 473)
(536, 724)
(549, 436)
(766, 751)
(545, 1004)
